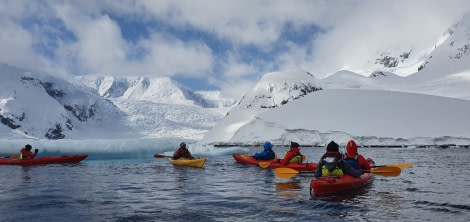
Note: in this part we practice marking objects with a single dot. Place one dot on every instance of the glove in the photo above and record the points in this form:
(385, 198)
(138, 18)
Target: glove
(36, 150)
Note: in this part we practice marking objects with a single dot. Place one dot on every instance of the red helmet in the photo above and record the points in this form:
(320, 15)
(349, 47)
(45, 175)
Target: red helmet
(351, 149)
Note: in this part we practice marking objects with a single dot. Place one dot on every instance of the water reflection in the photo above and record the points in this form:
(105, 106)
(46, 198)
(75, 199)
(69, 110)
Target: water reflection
(288, 189)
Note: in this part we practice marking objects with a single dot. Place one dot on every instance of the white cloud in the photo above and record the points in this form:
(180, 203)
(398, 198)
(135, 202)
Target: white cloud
(295, 57)
(351, 34)
(173, 56)
(377, 26)
(15, 43)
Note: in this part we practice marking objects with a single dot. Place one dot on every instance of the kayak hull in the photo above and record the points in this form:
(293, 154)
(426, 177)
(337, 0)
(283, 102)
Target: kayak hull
(326, 185)
(44, 160)
(247, 159)
(188, 162)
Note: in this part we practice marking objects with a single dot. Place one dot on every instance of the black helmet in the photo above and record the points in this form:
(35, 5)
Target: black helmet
(28, 147)
(182, 144)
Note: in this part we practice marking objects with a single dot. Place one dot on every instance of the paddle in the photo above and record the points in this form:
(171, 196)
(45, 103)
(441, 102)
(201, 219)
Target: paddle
(284, 172)
(264, 165)
(399, 165)
(160, 156)
(387, 171)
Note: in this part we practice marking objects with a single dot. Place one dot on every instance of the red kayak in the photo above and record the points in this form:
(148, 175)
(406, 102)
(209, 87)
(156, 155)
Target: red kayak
(334, 184)
(44, 160)
(247, 159)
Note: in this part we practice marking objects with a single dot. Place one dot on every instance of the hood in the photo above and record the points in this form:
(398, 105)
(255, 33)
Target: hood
(267, 146)
(351, 149)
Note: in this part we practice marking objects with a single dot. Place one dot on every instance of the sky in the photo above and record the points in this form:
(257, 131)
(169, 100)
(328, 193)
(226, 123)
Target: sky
(211, 44)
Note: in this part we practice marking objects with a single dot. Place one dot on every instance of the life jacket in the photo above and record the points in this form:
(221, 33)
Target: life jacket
(336, 172)
(22, 155)
(328, 160)
(352, 162)
(181, 153)
(297, 157)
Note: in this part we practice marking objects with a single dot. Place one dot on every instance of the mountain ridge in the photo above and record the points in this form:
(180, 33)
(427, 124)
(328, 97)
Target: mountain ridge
(39, 105)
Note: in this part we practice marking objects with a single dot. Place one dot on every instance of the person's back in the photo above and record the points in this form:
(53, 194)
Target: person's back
(353, 158)
(331, 163)
(293, 155)
(266, 154)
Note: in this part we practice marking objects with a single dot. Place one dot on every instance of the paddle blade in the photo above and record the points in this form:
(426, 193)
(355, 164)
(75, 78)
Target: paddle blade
(160, 156)
(263, 165)
(387, 171)
(399, 165)
(402, 165)
(284, 172)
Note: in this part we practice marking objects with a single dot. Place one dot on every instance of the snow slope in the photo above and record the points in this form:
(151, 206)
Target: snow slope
(365, 115)
(373, 117)
(38, 105)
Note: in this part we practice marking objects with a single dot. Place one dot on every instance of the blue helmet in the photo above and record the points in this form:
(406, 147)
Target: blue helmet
(268, 145)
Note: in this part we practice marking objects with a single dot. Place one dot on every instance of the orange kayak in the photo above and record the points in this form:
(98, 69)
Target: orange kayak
(247, 159)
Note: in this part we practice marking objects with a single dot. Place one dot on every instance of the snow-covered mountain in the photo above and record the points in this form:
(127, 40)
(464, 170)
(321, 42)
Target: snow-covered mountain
(160, 90)
(160, 106)
(371, 117)
(39, 105)
(269, 93)
(405, 60)
(428, 107)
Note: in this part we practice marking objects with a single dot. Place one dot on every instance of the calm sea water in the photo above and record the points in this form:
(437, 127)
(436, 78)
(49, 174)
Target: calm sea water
(436, 188)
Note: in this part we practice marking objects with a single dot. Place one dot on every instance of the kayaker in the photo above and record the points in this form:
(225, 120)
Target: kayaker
(267, 153)
(182, 152)
(293, 155)
(332, 163)
(354, 159)
(25, 153)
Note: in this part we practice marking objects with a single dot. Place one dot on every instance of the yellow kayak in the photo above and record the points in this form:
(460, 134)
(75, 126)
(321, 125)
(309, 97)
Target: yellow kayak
(188, 162)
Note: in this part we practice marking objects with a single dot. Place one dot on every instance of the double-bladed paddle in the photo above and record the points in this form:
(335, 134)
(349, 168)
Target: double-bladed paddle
(387, 171)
